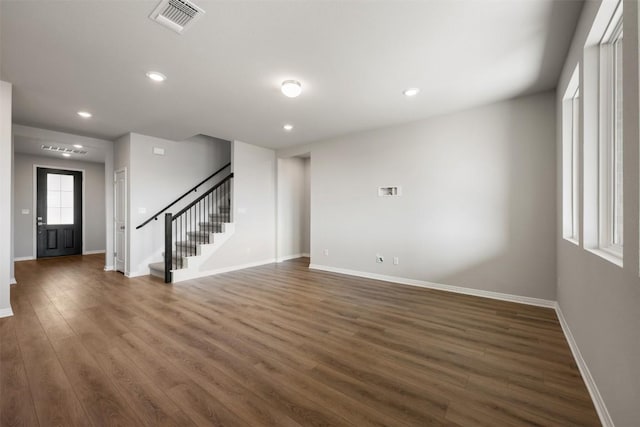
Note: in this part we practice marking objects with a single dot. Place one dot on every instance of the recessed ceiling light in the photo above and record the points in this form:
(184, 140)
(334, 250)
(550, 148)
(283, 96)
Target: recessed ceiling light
(287, 127)
(77, 145)
(156, 76)
(66, 155)
(411, 92)
(291, 88)
(85, 114)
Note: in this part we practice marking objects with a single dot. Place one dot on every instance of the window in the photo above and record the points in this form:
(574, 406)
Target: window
(611, 144)
(571, 159)
(59, 199)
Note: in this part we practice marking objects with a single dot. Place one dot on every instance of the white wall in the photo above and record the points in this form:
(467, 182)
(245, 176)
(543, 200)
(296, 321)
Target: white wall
(600, 300)
(155, 181)
(478, 199)
(101, 151)
(94, 236)
(291, 208)
(6, 151)
(254, 210)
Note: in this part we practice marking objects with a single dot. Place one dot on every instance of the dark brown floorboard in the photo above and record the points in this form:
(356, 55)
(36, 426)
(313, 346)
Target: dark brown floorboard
(275, 345)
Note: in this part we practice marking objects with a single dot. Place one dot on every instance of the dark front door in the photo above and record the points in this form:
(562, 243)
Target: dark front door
(59, 216)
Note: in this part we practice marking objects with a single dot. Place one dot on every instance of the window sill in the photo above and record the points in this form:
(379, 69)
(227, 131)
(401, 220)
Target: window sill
(609, 256)
(572, 240)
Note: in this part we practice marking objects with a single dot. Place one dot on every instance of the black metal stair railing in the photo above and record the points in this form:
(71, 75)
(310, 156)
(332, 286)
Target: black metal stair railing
(193, 225)
(191, 190)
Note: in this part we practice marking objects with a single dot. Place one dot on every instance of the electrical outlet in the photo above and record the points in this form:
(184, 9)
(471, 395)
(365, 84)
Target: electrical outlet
(326, 252)
(396, 260)
(379, 259)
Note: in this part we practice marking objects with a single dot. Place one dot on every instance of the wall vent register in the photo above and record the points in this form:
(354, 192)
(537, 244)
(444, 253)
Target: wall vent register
(389, 191)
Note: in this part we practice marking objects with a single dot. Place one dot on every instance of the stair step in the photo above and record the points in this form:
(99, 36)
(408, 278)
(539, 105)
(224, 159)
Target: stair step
(199, 236)
(157, 269)
(187, 248)
(211, 227)
(177, 261)
(219, 217)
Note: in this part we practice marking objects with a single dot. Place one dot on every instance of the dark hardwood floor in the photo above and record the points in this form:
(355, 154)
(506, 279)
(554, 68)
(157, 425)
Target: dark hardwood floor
(275, 345)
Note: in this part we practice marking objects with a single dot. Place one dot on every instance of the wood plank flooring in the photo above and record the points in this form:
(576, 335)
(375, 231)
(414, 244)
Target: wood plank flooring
(277, 345)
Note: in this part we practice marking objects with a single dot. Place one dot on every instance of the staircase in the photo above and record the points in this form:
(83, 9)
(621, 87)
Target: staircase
(198, 229)
(216, 228)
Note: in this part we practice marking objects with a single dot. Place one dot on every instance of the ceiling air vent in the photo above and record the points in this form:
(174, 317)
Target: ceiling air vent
(62, 149)
(177, 15)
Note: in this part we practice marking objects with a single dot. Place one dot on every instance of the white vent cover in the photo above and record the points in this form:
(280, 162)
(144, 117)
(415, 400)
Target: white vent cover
(177, 15)
(391, 191)
(62, 149)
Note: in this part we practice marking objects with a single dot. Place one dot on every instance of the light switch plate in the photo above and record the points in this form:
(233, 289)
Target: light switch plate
(25, 211)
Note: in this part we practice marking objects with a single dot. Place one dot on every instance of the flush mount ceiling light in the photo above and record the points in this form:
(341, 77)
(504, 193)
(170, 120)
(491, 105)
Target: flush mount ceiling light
(156, 76)
(291, 88)
(411, 91)
(66, 155)
(85, 114)
(288, 127)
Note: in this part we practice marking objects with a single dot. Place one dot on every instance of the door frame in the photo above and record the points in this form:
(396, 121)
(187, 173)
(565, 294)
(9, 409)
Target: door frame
(126, 220)
(35, 204)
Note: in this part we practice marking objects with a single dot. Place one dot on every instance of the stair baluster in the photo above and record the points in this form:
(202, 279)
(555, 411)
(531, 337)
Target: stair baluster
(187, 229)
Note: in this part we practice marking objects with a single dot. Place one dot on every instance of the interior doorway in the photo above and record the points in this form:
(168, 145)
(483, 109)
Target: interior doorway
(59, 212)
(293, 207)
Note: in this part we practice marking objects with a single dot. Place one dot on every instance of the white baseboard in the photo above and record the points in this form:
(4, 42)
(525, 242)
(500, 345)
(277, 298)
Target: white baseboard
(13, 281)
(181, 276)
(133, 274)
(6, 312)
(108, 268)
(93, 252)
(288, 257)
(598, 402)
(423, 284)
(23, 258)
(306, 255)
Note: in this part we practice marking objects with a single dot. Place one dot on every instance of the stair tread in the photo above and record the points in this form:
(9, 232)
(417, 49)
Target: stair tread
(199, 233)
(187, 243)
(157, 266)
(174, 256)
(217, 225)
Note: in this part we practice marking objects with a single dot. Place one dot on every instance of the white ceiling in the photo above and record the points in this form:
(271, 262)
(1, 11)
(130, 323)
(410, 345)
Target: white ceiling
(27, 140)
(354, 59)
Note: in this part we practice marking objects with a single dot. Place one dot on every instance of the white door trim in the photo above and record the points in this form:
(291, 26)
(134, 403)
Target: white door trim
(35, 204)
(126, 220)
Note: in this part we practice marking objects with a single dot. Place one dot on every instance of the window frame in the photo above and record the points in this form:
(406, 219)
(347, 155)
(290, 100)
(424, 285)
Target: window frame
(611, 152)
(571, 139)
